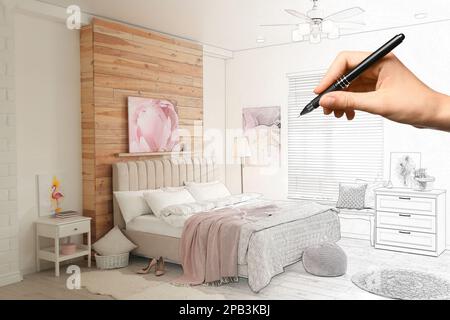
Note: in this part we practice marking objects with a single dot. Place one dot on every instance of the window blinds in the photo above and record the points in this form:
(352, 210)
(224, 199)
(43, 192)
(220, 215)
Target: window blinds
(324, 151)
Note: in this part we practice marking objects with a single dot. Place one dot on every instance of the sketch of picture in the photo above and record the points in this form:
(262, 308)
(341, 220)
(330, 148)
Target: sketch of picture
(262, 127)
(403, 165)
(50, 194)
(153, 125)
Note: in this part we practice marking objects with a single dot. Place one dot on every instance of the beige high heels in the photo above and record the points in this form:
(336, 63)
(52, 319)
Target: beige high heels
(146, 270)
(157, 264)
(160, 267)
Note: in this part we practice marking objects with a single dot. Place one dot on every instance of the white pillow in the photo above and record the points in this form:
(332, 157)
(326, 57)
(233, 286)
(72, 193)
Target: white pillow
(157, 201)
(132, 203)
(113, 243)
(208, 191)
(369, 200)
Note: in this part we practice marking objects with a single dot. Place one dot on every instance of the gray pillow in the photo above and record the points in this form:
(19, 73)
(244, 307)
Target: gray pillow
(351, 196)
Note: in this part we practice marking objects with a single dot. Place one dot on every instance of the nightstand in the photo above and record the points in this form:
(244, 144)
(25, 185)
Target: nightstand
(50, 227)
(410, 221)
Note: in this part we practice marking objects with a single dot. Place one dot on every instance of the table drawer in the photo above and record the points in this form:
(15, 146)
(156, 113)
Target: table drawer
(406, 221)
(406, 204)
(74, 228)
(406, 239)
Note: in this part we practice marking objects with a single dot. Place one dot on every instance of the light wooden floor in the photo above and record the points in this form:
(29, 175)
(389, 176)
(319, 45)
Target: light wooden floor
(295, 283)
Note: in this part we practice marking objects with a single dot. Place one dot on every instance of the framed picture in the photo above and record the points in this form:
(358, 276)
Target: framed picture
(402, 166)
(262, 128)
(50, 194)
(152, 124)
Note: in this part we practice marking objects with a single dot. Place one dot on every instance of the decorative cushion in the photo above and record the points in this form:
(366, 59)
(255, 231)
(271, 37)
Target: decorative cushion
(157, 201)
(113, 243)
(208, 191)
(132, 204)
(369, 200)
(325, 260)
(351, 196)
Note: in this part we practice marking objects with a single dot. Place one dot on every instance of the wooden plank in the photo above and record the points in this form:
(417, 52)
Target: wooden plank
(151, 62)
(145, 33)
(123, 68)
(115, 82)
(146, 49)
(145, 40)
(121, 97)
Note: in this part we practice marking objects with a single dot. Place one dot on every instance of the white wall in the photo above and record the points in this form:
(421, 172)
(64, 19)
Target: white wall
(48, 118)
(214, 109)
(258, 78)
(9, 266)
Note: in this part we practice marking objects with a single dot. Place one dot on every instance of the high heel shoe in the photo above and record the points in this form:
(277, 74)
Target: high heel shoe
(160, 267)
(146, 270)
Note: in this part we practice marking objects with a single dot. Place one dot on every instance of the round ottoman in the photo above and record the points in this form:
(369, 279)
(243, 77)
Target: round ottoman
(325, 260)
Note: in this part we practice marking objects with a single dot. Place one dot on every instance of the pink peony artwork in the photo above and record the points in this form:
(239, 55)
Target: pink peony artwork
(153, 125)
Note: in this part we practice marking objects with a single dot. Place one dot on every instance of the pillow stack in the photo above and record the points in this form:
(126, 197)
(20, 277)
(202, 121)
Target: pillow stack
(137, 203)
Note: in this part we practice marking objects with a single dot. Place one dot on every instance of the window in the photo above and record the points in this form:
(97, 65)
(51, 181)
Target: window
(324, 151)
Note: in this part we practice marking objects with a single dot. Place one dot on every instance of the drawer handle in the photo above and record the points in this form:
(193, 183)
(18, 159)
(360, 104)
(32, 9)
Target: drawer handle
(404, 232)
(405, 215)
(75, 229)
(404, 198)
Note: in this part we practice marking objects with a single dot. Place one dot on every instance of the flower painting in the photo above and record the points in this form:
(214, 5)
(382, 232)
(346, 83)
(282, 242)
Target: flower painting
(153, 125)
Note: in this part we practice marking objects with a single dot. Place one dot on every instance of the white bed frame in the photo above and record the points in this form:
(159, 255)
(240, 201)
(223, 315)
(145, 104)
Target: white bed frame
(155, 174)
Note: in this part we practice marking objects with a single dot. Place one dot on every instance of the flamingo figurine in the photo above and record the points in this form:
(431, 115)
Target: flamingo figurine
(56, 195)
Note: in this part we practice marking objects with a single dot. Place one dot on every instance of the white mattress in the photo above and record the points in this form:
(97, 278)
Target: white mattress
(152, 224)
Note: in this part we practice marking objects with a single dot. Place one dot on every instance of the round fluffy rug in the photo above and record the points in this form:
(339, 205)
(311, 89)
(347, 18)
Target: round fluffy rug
(125, 285)
(403, 284)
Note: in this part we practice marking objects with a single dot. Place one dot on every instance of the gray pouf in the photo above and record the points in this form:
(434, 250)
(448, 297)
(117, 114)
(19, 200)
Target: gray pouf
(325, 260)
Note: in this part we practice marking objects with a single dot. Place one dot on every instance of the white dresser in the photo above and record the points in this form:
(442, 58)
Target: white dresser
(410, 221)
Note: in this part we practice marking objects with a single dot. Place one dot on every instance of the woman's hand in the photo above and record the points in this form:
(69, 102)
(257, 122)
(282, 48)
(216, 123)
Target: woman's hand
(388, 89)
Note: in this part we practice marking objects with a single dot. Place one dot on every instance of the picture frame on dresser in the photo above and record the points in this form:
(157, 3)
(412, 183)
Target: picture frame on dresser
(410, 221)
(406, 162)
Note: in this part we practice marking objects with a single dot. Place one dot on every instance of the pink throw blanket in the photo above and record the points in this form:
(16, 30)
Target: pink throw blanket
(209, 245)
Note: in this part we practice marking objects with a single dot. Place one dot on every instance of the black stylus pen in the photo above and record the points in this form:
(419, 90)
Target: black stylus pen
(346, 80)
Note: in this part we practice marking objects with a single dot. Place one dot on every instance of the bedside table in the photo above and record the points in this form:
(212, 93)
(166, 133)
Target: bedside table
(410, 221)
(50, 227)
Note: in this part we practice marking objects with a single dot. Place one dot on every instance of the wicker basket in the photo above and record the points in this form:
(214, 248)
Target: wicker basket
(112, 262)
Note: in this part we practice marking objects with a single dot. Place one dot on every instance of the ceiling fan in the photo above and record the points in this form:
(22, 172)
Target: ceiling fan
(315, 25)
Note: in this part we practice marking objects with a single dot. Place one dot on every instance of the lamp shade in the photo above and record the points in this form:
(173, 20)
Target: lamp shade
(242, 148)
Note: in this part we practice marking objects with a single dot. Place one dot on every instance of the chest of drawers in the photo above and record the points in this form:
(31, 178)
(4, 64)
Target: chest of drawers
(410, 221)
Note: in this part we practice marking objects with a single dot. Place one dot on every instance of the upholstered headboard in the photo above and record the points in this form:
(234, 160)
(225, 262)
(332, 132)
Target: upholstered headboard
(155, 174)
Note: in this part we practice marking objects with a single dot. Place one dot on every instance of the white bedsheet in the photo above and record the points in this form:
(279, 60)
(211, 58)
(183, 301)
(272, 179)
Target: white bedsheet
(152, 224)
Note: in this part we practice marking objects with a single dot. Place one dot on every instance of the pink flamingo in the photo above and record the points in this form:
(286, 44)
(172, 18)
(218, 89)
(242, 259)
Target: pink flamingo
(56, 195)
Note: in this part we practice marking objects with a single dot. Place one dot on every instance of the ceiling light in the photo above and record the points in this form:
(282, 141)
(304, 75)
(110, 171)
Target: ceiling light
(421, 15)
(260, 39)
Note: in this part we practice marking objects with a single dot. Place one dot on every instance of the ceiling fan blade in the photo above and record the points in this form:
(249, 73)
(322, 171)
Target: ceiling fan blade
(278, 25)
(345, 14)
(299, 15)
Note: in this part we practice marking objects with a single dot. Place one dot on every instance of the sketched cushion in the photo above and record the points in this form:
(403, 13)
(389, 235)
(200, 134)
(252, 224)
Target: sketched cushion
(113, 243)
(351, 196)
(325, 260)
(369, 201)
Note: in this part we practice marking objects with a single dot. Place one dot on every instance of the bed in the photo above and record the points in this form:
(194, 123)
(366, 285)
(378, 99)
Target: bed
(266, 252)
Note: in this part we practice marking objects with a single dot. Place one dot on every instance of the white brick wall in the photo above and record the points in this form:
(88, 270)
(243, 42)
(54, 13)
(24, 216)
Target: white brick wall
(9, 271)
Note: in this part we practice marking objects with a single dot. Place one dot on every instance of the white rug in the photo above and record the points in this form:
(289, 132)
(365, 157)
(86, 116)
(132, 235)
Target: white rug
(123, 285)
(403, 284)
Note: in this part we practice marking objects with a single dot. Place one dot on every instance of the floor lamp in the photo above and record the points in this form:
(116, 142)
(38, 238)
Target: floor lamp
(242, 151)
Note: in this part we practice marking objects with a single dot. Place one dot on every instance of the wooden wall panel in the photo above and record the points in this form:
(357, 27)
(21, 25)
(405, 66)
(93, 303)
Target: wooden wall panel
(119, 61)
